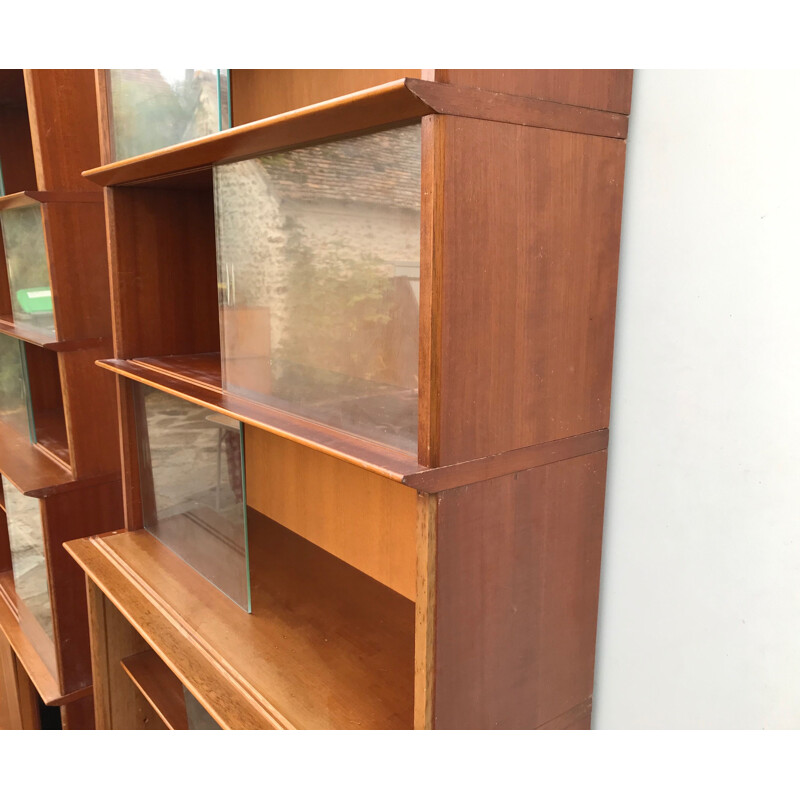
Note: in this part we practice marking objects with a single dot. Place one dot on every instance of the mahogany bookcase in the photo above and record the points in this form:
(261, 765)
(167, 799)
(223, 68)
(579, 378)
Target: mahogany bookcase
(66, 474)
(455, 586)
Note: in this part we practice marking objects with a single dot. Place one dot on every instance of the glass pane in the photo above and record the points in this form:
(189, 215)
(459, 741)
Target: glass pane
(26, 537)
(318, 268)
(26, 259)
(198, 718)
(15, 408)
(155, 108)
(192, 483)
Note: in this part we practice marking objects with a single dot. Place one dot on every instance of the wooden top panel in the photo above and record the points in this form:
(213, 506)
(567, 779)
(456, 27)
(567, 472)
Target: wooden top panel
(325, 646)
(606, 89)
(383, 106)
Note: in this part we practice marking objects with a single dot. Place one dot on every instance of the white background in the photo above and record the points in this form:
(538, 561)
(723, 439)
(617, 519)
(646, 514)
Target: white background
(699, 622)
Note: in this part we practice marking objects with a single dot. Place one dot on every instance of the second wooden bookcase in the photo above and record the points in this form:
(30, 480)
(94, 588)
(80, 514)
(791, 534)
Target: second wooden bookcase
(446, 579)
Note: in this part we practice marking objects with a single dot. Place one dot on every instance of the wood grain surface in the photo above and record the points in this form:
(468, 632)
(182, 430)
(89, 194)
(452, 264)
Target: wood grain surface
(517, 578)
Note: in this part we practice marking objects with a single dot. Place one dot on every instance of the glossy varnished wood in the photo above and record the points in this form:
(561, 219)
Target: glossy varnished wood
(518, 569)
(64, 132)
(16, 151)
(325, 646)
(530, 244)
(364, 519)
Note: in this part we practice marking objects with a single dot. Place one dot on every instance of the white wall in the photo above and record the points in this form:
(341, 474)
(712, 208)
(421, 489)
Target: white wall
(700, 590)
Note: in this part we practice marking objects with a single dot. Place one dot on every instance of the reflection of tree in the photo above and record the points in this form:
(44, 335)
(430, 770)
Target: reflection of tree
(150, 113)
(26, 257)
(337, 311)
(12, 383)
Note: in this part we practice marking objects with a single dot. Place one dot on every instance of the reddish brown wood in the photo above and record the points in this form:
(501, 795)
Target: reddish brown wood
(90, 410)
(159, 686)
(32, 472)
(16, 152)
(382, 106)
(75, 234)
(482, 469)
(71, 515)
(64, 132)
(47, 403)
(163, 271)
(518, 568)
(259, 93)
(482, 104)
(30, 197)
(167, 374)
(78, 715)
(607, 89)
(103, 116)
(530, 244)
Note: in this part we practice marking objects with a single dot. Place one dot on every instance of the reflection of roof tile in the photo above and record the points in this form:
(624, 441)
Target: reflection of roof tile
(381, 168)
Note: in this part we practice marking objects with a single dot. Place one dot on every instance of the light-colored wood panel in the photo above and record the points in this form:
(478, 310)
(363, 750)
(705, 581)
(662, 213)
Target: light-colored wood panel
(259, 93)
(159, 687)
(119, 705)
(425, 624)
(364, 519)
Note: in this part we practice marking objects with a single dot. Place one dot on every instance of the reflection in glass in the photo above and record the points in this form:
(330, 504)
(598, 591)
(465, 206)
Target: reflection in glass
(26, 260)
(198, 718)
(15, 408)
(190, 464)
(318, 268)
(155, 108)
(26, 537)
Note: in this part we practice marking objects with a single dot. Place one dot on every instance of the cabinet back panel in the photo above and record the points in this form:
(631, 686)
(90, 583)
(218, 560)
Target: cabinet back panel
(364, 519)
(163, 270)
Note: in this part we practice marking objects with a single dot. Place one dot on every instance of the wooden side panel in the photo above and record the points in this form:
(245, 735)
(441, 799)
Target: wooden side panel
(529, 253)
(259, 93)
(78, 715)
(76, 250)
(605, 89)
(118, 703)
(163, 271)
(364, 519)
(18, 699)
(10, 719)
(72, 515)
(517, 578)
(16, 153)
(90, 409)
(63, 115)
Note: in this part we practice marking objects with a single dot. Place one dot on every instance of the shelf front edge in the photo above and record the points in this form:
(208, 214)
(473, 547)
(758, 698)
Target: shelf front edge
(392, 464)
(381, 106)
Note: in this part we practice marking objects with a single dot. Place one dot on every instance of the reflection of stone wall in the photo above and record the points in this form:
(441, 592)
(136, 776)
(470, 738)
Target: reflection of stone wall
(324, 237)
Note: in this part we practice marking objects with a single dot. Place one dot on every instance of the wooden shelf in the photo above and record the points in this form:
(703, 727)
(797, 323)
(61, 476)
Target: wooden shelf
(33, 198)
(325, 647)
(28, 468)
(42, 678)
(198, 379)
(159, 687)
(46, 339)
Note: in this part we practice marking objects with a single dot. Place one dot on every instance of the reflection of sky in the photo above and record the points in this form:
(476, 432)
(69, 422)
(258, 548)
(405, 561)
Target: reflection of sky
(173, 76)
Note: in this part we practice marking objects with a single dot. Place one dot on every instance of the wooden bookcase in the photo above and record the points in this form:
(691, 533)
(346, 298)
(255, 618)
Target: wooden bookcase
(449, 585)
(65, 475)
